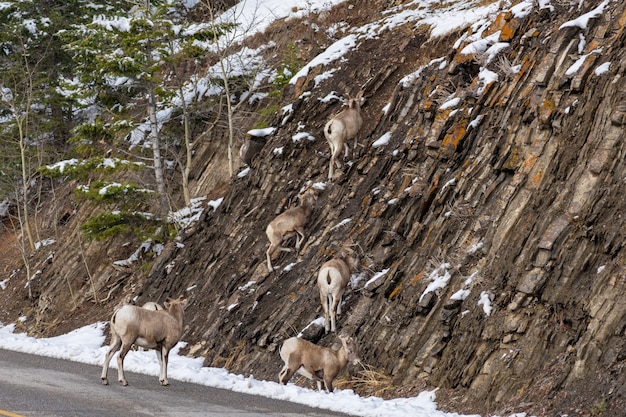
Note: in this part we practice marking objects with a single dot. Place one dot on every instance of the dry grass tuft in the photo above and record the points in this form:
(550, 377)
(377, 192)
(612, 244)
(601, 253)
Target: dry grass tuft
(369, 381)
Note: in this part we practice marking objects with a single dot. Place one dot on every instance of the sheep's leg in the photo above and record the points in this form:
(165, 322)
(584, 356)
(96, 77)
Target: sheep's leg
(120, 363)
(340, 298)
(335, 161)
(328, 381)
(337, 158)
(333, 312)
(327, 319)
(159, 353)
(312, 375)
(299, 237)
(285, 374)
(333, 156)
(331, 144)
(324, 299)
(164, 355)
(269, 254)
(116, 343)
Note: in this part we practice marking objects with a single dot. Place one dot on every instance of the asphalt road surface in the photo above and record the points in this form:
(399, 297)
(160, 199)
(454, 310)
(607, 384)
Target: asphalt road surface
(35, 386)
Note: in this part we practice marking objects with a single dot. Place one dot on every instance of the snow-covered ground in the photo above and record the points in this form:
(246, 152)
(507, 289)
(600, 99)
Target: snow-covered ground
(85, 345)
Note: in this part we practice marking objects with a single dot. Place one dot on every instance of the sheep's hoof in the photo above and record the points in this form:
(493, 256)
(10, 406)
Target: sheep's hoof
(124, 383)
(105, 381)
(164, 382)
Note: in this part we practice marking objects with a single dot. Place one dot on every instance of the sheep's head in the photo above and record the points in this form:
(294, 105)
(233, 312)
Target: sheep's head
(355, 102)
(171, 302)
(309, 197)
(350, 256)
(351, 348)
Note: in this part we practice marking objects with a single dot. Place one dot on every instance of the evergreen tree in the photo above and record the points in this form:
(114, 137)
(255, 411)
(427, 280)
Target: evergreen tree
(102, 73)
(33, 113)
(122, 61)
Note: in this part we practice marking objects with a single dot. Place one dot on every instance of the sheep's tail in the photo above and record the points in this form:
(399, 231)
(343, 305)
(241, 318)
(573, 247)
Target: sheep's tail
(329, 275)
(328, 129)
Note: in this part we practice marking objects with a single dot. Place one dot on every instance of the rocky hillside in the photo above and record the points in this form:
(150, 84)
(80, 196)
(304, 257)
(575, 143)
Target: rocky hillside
(501, 173)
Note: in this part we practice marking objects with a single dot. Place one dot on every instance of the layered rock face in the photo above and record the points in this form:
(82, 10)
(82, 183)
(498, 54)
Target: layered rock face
(491, 220)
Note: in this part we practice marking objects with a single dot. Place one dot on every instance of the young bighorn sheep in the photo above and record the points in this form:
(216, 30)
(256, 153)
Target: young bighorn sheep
(341, 128)
(287, 224)
(153, 329)
(332, 280)
(316, 362)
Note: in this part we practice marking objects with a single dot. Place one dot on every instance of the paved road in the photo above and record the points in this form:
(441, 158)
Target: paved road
(35, 386)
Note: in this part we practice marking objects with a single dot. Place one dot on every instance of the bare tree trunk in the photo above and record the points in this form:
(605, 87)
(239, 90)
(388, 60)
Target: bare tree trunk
(229, 107)
(156, 152)
(186, 168)
(22, 248)
(25, 218)
(20, 116)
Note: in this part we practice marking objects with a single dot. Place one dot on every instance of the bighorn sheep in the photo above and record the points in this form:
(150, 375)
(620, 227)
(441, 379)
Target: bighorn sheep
(342, 128)
(288, 223)
(309, 359)
(332, 280)
(159, 330)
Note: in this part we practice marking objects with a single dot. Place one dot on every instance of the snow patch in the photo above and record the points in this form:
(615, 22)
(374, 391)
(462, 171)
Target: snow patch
(438, 279)
(382, 141)
(582, 21)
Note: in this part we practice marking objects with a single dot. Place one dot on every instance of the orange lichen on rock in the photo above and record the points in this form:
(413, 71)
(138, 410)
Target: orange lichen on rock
(528, 163)
(509, 30)
(406, 182)
(378, 209)
(417, 278)
(396, 291)
(499, 22)
(513, 159)
(622, 21)
(546, 110)
(454, 135)
(535, 180)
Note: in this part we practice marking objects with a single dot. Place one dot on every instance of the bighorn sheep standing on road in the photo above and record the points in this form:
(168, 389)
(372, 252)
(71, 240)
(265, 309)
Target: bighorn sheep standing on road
(159, 330)
(332, 280)
(309, 359)
(288, 223)
(341, 128)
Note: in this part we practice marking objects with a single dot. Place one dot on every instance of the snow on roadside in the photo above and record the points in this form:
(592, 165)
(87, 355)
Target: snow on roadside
(85, 345)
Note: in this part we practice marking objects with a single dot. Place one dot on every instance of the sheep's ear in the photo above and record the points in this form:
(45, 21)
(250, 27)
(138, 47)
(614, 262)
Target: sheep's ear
(167, 303)
(359, 97)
